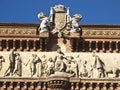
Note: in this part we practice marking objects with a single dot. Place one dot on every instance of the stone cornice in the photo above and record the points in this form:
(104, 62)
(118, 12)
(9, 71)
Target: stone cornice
(93, 31)
(82, 25)
(18, 24)
(100, 25)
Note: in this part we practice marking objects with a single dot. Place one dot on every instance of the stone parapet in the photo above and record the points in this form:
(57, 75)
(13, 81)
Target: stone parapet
(60, 83)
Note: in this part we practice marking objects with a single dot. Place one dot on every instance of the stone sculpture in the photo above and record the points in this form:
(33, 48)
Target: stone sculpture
(9, 71)
(61, 64)
(97, 67)
(1, 61)
(72, 67)
(18, 65)
(35, 65)
(44, 26)
(83, 72)
(44, 65)
(49, 69)
(74, 23)
(59, 21)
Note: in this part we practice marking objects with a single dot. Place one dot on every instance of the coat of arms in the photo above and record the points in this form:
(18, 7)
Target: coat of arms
(59, 22)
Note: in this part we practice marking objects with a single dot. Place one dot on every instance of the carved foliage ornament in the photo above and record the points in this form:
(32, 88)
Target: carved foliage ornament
(16, 31)
(103, 33)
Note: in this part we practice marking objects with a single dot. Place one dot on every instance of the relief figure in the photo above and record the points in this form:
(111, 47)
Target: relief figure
(44, 26)
(18, 65)
(1, 61)
(35, 65)
(49, 69)
(60, 65)
(97, 67)
(9, 71)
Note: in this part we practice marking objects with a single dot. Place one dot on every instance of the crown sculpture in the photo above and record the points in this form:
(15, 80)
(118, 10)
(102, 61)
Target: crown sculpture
(59, 22)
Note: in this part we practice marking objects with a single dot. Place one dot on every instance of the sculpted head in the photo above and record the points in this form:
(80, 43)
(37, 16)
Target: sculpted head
(41, 15)
(59, 50)
(12, 51)
(50, 59)
(77, 17)
(93, 54)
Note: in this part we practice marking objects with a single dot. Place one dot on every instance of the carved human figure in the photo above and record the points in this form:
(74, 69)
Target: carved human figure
(44, 61)
(44, 23)
(9, 71)
(34, 68)
(72, 66)
(74, 23)
(97, 67)
(68, 65)
(18, 65)
(78, 60)
(83, 72)
(49, 67)
(60, 66)
(1, 61)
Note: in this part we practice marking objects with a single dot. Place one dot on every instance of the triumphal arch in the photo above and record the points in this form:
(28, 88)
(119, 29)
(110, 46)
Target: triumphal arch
(59, 54)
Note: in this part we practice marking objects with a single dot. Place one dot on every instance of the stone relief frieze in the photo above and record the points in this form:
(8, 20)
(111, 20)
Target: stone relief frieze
(16, 31)
(1, 62)
(102, 33)
(79, 65)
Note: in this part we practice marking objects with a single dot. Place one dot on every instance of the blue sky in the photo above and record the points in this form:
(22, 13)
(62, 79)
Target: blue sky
(93, 11)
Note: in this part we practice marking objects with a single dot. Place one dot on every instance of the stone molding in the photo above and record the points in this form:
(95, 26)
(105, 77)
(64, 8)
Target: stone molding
(47, 84)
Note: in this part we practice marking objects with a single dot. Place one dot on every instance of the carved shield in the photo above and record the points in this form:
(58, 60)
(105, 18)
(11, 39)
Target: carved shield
(60, 20)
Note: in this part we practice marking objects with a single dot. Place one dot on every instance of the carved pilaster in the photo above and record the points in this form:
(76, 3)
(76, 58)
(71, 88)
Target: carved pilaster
(72, 86)
(44, 86)
(45, 44)
(96, 46)
(77, 45)
(117, 48)
(11, 86)
(117, 86)
(0, 45)
(111, 86)
(41, 44)
(7, 45)
(103, 46)
(97, 86)
(27, 45)
(34, 45)
(24, 86)
(4, 85)
(14, 44)
(110, 46)
(104, 86)
(77, 86)
(90, 86)
(90, 49)
(39, 86)
(31, 85)
(21, 46)
(83, 86)
(83, 46)
(18, 85)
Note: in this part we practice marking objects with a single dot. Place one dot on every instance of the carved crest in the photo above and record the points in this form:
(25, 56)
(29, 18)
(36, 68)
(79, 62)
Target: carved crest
(60, 21)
